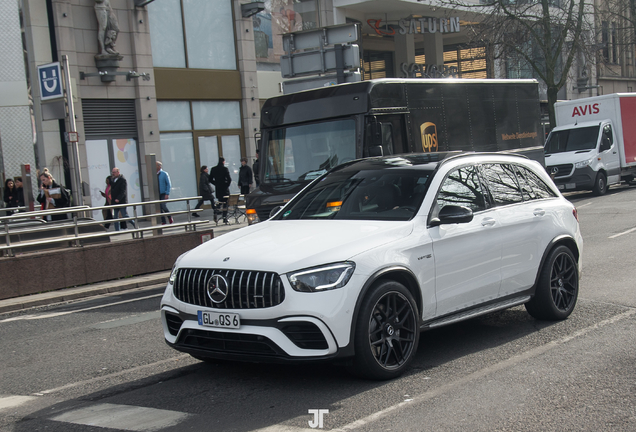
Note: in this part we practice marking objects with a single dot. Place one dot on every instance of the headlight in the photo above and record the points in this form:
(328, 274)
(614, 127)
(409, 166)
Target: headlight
(175, 267)
(322, 278)
(583, 164)
(252, 217)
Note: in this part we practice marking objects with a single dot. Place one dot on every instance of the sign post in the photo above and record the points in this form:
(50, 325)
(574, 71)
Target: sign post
(76, 174)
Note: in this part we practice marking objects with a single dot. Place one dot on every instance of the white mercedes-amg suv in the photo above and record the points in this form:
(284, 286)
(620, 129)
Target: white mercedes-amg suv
(372, 253)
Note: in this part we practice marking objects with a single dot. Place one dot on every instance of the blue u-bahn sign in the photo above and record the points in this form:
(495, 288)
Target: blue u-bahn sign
(50, 79)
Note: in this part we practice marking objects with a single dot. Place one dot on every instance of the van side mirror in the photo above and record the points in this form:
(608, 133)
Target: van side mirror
(376, 151)
(605, 143)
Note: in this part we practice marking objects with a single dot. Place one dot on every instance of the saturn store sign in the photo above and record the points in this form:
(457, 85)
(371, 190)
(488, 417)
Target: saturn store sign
(416, 25)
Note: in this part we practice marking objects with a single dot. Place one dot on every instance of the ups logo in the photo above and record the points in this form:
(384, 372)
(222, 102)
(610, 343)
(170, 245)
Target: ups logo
(428, 131)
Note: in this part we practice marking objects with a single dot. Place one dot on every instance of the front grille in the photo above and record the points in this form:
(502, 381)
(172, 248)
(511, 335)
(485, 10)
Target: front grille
(246, 289)
(563, 170)
(228, 342)
(305, 335)
(174, 323)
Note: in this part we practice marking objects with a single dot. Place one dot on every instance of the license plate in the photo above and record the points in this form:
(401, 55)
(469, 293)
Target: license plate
(215, 319)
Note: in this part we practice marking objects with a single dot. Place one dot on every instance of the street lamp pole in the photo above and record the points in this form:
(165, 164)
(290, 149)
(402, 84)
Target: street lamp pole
(76, 174)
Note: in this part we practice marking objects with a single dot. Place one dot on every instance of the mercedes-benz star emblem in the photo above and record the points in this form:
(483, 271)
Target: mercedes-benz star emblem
(217, 289)
(555, 170)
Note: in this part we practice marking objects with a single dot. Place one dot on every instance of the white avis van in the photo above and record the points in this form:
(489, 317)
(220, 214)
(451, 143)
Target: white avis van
(594, 143)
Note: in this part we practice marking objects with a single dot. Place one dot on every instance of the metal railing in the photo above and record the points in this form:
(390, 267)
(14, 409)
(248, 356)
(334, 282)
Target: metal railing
(76, 223)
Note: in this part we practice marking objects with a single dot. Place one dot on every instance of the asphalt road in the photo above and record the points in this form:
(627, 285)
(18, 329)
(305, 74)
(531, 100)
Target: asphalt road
(101, 364)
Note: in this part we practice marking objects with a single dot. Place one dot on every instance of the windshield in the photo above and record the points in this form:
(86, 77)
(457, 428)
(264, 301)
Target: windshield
(572, 140)
(303, 153)
(388, 194)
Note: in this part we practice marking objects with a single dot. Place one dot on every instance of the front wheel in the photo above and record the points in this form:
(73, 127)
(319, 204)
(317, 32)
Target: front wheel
(557, 288)
(387, 332)
(600, 185)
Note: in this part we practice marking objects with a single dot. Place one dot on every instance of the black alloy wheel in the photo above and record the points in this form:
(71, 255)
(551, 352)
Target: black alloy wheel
(387, 333)
(558, 287)
(600, 185)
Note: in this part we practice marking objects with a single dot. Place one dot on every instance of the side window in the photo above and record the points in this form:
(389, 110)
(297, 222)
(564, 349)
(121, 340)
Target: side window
(607, 139)
(532, 186)
(502, 183)
(462, 187)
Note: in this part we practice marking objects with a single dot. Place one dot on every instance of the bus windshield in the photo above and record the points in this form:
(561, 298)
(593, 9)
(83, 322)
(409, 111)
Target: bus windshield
(572, 140)
(303, 153)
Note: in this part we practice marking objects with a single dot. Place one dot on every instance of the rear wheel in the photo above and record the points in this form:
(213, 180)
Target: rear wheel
(557, 288)
(387, 332)
(600, 185)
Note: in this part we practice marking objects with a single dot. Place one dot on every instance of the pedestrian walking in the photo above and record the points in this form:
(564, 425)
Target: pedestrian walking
(52, 196)
(164, 191)
(107, 213)
(256, 168)
(10, 195)
(119, 195)
(245, 177)
(220, 178)
(205, 189)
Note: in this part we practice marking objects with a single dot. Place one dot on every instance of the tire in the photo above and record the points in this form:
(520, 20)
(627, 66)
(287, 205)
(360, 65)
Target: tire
(557, 288)
(600, 184)
(387, 332)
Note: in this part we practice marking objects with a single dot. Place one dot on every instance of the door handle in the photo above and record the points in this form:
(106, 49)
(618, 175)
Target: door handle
(487, 222)
(538, 212)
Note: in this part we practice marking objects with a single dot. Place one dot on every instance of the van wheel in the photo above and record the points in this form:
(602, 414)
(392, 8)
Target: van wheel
(600, 185)
(387, 332)
(557, 288)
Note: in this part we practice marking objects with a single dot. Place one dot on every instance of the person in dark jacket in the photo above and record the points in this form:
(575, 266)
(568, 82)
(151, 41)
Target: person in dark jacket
(205, 189)
(119, 195)
(52, 196)
(10, 196)
(245, 177)
(20, 191)
(220, 178)
(256, 168)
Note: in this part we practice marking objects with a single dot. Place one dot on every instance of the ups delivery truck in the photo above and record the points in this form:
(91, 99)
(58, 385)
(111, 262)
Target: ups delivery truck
(305, 134)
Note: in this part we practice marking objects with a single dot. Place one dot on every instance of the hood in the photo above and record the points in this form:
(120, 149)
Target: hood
(569, 157)
(283, 246)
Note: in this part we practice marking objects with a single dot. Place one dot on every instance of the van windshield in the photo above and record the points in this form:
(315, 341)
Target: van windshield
(572, 140)
(303, 153)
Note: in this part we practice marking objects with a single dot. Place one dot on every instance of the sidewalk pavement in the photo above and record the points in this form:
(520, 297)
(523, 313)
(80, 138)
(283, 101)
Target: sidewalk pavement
(152, 280)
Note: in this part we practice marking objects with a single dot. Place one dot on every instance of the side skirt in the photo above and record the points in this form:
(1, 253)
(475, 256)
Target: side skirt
(472, 313)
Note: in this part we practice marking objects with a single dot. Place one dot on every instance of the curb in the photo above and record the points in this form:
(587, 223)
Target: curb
(153, 280)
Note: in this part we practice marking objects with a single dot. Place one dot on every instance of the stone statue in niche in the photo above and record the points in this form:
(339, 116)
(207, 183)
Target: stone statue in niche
(107, 30)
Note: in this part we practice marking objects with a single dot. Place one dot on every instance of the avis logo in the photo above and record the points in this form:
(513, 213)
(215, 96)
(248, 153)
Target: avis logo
(428, 131)
(585, 110)
(318, 417)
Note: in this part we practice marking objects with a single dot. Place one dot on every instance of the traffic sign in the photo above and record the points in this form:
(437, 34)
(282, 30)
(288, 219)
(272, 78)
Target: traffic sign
(315, 62)
(50, 79)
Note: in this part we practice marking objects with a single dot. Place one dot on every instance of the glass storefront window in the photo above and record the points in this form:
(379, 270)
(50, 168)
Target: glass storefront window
(174, 115)
(210, 34)
(177, 153)
(166, 34)
(216, 115)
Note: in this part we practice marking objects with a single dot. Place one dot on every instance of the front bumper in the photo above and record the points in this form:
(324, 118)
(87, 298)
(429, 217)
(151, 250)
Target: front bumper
(579, 179)
(305, 326)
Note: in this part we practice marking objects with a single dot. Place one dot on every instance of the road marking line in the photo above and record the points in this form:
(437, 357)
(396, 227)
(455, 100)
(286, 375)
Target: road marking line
(120, 322)
(624, 232)
(126, 417)
(14, 401)
(109, 376)
(483, 372)
(584, 205)
(57, 314)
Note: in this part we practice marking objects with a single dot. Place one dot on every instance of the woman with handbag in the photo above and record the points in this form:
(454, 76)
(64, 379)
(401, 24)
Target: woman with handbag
(205, 189)
(52, 196)
(107, 213)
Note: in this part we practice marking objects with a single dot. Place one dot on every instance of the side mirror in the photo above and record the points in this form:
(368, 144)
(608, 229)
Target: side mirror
(452, 214)
(376, 133)
(274, 211)
(605, 143)
(376, 151)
